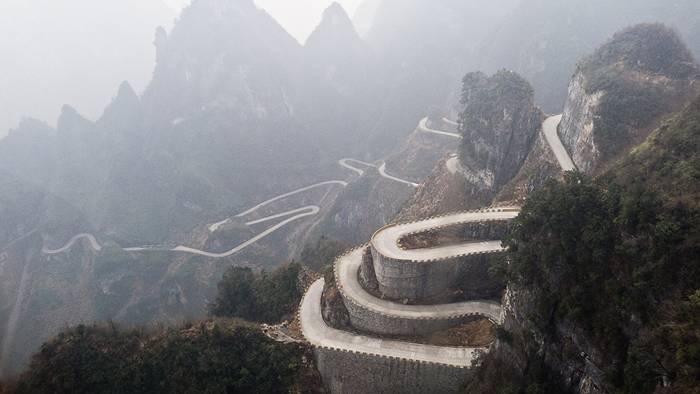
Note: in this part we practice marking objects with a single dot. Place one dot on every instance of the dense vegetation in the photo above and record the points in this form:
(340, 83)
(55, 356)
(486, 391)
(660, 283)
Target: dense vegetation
(617, 259)
(644, 71)
(213, 357)
(260, 297)
(323, 252)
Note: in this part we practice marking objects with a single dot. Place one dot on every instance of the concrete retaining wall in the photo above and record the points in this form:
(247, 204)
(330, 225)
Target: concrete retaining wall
(378, 323)
(351, 373)
(418, 281)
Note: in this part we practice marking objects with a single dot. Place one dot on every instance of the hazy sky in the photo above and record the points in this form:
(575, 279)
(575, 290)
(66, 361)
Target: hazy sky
(298, 17)
(54, 61)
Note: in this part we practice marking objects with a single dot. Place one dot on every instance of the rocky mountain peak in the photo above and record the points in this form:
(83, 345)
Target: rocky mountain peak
(70, 120)
(499, 124)
(124, 109)
(335, 13)
(126, 93)
(623, 90)
(336, 28)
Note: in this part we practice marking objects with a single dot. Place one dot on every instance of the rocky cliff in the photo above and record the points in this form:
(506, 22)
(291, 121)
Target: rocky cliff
(543, 40)
(499, 124)
(590, 314)
(621, 92)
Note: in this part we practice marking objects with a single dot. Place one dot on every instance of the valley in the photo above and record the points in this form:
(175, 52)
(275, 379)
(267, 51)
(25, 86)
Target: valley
(439, 196)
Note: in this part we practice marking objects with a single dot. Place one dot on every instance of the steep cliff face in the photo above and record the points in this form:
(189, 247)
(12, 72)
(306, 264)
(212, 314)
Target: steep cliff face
(339, 88)
(578, 122)
(539, 166)
(499, 125)
(223, 54)
(622, 91)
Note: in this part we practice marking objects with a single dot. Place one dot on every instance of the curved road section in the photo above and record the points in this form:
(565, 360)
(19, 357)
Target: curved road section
(423, 126)
(381, 316)
(375, 313)
(345, 163)
(89, 237)
(382, 172)
(347, 268)
(385, 241)
(320, 335)
(549, 127)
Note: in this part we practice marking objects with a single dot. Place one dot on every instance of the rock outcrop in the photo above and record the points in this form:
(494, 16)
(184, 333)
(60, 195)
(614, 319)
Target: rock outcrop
(543, 40)
(499, 125)
(623, 90)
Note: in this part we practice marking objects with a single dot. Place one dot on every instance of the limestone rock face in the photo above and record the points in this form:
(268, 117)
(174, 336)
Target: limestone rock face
(499, 124)
(576, 129)
(623, 90)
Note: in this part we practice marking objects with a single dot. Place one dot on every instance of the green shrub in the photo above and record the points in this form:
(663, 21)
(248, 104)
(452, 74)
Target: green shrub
(264, 297)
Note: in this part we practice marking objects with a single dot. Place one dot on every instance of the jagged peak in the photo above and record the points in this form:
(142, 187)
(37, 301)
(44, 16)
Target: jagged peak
(70, 119)
(335, 11)
(125, 104)
(126, 92)
(336, 26)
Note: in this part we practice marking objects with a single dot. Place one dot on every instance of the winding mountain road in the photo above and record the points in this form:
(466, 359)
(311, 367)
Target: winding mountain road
(319, 334)
(214, 227)
(423, 126)
(549, 127)
(348, 267)
(346, 164)
(385, 247)
(386, 240)
(282, 196)
(89, 237)
(298, 214)
(382, 172)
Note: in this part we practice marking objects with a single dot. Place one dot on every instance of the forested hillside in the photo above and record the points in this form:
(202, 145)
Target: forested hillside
(606, 273)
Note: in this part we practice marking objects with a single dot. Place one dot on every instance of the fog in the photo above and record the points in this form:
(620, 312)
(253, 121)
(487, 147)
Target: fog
(74, 52)
(77, 52)
(299, 17)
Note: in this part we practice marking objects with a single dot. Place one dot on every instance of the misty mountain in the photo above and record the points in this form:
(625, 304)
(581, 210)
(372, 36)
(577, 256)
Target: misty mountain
(236, 113)
(73, 51)
(364, 16)
(423, 48)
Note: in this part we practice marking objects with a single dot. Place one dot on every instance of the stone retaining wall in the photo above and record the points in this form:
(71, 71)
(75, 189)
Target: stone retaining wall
(368, 320)
(417, 281)
(347, 372)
